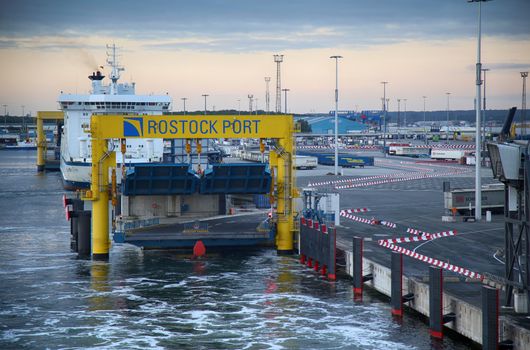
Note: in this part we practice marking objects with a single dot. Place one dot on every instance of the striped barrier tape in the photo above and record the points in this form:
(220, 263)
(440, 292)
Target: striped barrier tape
(409, 178)
(426, 237)
(432, 261)
(417, 232)
(446, 146)
(341, 147)
(356, 179)
(388, 224)
(358, 219)
(356, 210)
(371, 221)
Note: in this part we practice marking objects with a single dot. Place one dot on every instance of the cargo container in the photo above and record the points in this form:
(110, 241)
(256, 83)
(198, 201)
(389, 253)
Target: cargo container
(409, 151)
(305, 162)
(460, 199)
(345, 160)
(454, 154)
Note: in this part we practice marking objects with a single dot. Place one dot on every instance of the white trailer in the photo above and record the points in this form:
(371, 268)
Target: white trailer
(455, 154)
(305, 162)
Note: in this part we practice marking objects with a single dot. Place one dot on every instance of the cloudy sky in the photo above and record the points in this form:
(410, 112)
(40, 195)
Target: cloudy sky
(225, 49)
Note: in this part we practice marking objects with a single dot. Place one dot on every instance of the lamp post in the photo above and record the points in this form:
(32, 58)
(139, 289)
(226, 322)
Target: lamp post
(478, 82)
(484, 116)
(238, 106)
(23, 120)
(184, 101)
(285, 91)
(205, 96)
(405, 113)
(447, 133)
(524, 75)
(5, 115)
(336, 113)
(399, 113)
(424, 120)
(384, 115)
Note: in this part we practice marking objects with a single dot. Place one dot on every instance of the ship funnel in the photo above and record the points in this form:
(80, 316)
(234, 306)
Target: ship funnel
(96, 79)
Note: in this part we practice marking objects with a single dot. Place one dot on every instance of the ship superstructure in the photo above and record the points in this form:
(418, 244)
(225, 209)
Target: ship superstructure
(105, 99)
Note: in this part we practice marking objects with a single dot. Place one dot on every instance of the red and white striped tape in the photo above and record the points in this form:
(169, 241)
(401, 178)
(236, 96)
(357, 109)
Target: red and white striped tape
(356, 210)
(426, 237)
(356, 179)
(400, 179)
(357, 218)
(432, 261)
(359, 148)
(417, 232)
(388, 224)
(372, 221)
(446, 146)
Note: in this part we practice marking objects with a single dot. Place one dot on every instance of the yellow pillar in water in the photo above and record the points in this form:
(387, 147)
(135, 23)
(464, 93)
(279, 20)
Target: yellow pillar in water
(41, 144)
(101, 162)
(285, 224)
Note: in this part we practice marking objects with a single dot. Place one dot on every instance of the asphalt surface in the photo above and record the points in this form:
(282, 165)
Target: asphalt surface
(418, 204)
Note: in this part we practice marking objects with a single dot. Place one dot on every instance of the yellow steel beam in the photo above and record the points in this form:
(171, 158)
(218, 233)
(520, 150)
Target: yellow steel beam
(50, 115)
(41, 137)
(195, 127)
(103, 127)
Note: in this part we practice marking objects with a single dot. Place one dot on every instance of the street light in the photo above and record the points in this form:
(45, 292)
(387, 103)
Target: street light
(399, 112)
(336, 113)
(478, 82)
(239, 106)
(5, 115)
(285, 91)
(205, 96)
(384, 115)
(447, 133)
(184, 100)
(424, 120)
(405, 116)
(484, 112)
(524, 75)
(23, 119)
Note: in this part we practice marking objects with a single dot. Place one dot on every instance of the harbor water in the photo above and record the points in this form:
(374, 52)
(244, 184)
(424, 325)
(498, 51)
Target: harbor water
(50, 299)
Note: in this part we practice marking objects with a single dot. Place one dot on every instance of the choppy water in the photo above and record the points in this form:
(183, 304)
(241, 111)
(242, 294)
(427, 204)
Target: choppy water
(157, 300)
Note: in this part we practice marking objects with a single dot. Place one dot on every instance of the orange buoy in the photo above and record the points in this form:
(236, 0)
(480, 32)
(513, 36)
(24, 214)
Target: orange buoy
(199, 249)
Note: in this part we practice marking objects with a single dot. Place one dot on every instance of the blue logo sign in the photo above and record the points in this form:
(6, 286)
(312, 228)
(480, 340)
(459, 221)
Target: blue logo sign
(133, 127)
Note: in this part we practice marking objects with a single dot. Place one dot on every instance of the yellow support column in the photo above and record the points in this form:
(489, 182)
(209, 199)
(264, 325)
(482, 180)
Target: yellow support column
(285, 224)
(41, 144)
(102, 159)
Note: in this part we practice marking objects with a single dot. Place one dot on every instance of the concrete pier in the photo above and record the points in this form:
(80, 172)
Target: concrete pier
(418, 204)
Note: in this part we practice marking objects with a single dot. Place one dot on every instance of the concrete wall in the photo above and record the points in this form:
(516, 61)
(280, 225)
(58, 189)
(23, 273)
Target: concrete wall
(201, 204)
(468, 318)
(169, 206)
(520, 336)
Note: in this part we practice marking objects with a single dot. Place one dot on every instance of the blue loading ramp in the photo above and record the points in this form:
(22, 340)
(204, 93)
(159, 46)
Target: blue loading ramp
(160, 179)
(236, 178)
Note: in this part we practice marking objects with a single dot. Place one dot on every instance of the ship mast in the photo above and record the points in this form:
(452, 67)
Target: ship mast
(112, 61)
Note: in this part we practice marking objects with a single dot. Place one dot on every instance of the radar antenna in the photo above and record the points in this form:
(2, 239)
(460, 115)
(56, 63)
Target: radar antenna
(112, 62)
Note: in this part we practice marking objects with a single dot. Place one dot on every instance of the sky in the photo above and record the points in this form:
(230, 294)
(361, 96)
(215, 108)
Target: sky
(225, 49)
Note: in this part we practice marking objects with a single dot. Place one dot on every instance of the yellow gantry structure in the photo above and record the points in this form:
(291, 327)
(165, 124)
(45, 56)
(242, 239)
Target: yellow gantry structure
(41, 137)
(278, 128)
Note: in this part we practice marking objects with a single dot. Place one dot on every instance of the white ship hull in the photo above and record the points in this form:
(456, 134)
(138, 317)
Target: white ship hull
(112, 99)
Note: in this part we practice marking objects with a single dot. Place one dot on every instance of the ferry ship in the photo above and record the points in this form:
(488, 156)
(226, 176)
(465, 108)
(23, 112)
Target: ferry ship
(105, 99)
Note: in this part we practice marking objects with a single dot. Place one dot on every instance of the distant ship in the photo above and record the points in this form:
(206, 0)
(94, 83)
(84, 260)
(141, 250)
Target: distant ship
(112, 99)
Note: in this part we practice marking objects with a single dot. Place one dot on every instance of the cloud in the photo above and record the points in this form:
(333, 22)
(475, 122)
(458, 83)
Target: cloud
(214, 25)
(509, 66)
